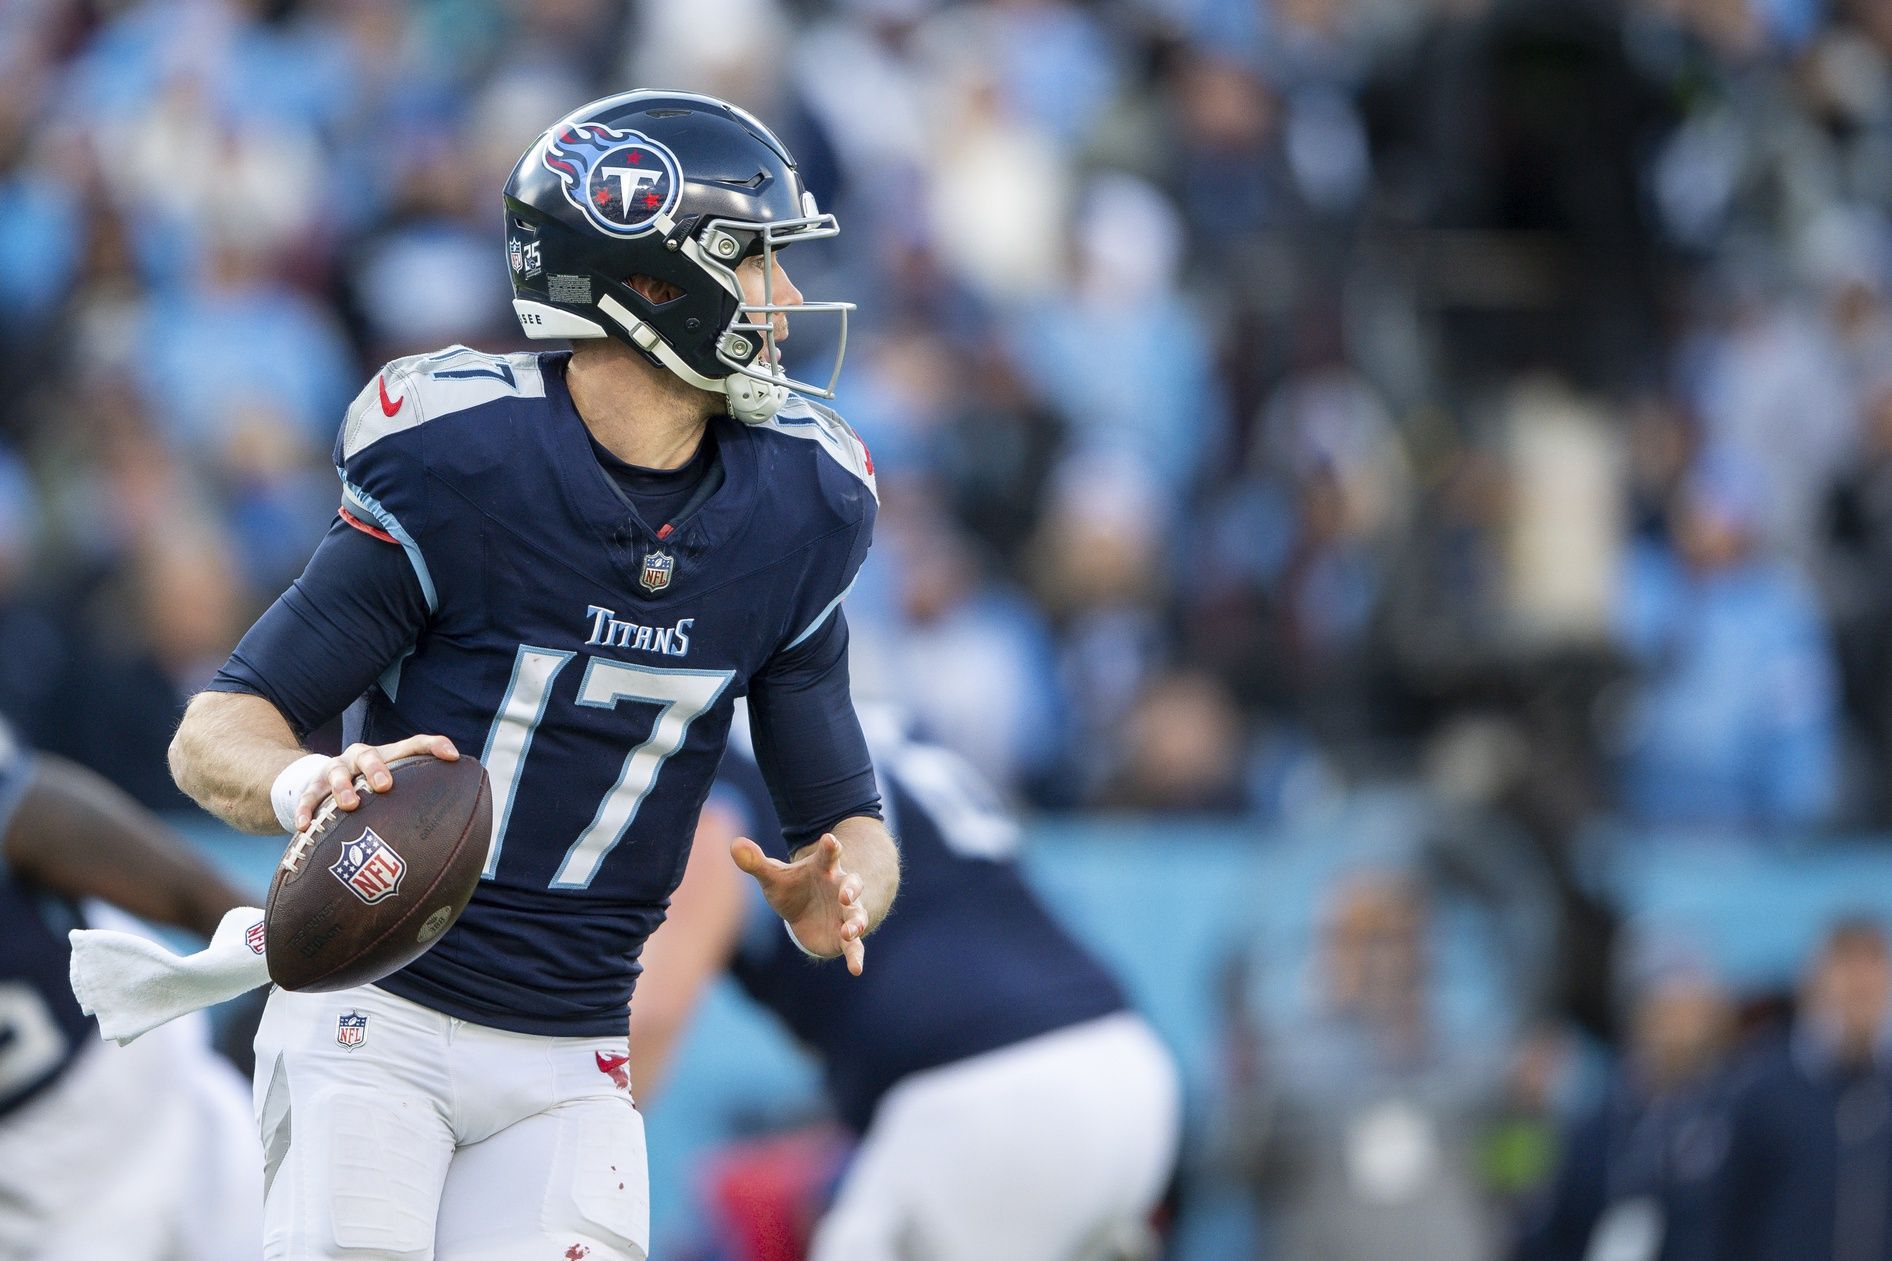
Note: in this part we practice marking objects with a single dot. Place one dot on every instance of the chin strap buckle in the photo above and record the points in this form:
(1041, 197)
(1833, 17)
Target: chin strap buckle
(675, 233)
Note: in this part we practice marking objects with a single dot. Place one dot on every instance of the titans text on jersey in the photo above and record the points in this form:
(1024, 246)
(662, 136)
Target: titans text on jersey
(671, 641)
(491, 581)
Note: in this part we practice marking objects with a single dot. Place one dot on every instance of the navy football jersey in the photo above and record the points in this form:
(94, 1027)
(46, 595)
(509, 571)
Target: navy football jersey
(42, 1029)
(968, 962)
(589, 658)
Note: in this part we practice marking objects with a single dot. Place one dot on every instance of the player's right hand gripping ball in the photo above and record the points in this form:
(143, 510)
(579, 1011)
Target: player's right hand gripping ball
(362, 893)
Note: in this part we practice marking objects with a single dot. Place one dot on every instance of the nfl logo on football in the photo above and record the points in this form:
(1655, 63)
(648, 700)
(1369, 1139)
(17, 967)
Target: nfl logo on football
(658, 567)
(370, 868)
(351, 1029)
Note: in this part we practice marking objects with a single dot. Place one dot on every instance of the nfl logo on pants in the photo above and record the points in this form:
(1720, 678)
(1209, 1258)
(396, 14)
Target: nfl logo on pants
(351, 1030)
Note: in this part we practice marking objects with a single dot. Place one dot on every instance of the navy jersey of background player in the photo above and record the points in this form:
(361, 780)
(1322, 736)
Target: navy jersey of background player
(969, 963)
(492, 579)
(41, 1026)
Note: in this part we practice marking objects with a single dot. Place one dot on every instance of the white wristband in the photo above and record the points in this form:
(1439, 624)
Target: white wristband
(289, 785)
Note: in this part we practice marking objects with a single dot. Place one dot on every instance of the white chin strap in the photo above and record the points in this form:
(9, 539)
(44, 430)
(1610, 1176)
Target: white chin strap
(751, 401)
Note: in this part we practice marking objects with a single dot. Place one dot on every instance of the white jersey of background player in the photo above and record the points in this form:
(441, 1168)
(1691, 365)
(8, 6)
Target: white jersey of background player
(137, 1153)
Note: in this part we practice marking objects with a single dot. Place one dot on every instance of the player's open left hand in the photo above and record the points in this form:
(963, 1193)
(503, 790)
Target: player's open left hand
(817, 897)
(367, 762)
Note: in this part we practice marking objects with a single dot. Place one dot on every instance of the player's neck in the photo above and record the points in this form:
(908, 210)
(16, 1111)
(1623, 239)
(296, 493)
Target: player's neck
(636, 411)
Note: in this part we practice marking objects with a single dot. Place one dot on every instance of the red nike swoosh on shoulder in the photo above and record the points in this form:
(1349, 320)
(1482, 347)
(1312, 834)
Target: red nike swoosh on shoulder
(389, 406)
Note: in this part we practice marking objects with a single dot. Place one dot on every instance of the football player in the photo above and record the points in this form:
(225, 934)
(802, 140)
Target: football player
(1011, 1106)
(142, 1152)
(573, 563)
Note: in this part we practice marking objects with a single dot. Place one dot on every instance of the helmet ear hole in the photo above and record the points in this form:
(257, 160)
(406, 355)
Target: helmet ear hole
(659, 293)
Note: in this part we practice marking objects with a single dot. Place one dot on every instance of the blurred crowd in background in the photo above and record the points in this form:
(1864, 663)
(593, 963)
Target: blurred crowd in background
(1381, 1122)
(1274, 401)
(1264, 391)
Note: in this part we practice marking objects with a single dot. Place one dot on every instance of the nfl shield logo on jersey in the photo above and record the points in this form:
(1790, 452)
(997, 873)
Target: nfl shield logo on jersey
(351, 1030)
(370, 868)
(658, 566)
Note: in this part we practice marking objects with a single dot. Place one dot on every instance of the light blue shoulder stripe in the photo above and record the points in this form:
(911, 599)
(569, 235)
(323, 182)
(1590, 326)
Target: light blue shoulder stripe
(822, 616)
(386, 520)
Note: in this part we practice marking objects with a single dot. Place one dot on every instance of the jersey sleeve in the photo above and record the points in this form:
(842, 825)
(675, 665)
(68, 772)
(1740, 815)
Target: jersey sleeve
(355, 611)
(849, 497)
(379, 456)
(808, 741)
(830, 579)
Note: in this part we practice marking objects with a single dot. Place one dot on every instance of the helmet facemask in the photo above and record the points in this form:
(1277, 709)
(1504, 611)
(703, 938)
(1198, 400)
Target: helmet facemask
(748, 346)
(756, 384)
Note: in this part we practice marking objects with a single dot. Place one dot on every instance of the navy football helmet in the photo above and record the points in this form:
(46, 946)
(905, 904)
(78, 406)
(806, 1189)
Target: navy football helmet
(682, 188)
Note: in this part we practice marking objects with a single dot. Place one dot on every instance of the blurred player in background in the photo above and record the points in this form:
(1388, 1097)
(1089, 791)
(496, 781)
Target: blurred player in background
(574, 562)
(1807, 1170)
(134, 1152)
(1011, 1106)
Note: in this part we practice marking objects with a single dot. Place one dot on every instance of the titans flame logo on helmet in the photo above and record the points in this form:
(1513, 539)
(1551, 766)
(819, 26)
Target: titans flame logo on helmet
(622, 180)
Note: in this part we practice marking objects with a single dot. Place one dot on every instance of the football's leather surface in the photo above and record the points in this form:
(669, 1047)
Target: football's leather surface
(363, 893)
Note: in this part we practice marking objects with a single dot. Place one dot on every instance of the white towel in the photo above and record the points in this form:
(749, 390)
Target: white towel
(133, 984)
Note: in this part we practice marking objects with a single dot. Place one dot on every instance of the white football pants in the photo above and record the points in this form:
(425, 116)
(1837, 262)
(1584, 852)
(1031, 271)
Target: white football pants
(1055, 1149)
(138, 1153)
(394, 1133)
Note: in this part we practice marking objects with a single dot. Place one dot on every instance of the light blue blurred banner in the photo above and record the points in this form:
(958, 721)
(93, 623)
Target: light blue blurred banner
(1171, 904)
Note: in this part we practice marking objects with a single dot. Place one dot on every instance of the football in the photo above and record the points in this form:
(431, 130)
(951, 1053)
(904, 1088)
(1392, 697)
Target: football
(362, 893)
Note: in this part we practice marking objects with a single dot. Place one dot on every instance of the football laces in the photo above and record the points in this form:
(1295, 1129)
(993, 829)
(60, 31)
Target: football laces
(304, 840)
